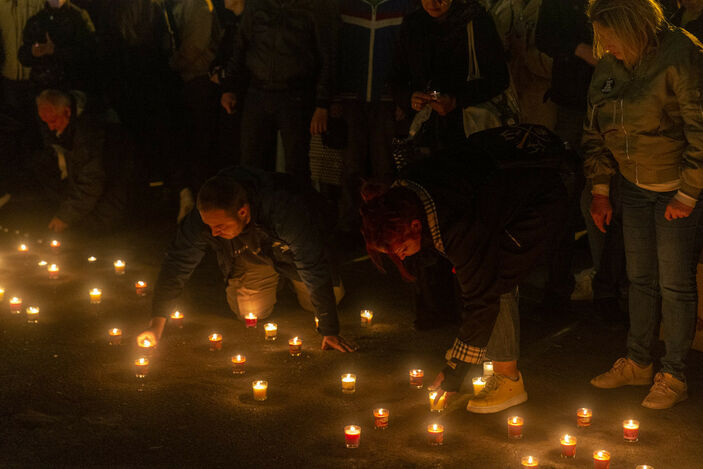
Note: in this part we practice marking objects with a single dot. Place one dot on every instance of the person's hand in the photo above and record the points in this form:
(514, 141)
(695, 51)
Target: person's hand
(419, 99)
(153, 333)
(215, 78)
(437, 386)
(338, 342)
(585, 52)
(318, 123)
(42, 49)
(57, 225)
(601, 211)
(229, 102)
(677, 209)
(444, 104)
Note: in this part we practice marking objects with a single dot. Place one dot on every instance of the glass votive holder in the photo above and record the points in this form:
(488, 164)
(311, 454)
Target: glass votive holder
(529, 461)
(380, 419)
(53, 270)
(32, 314)
(114, 336)
(2, 294)
(259, 389)
(583, 417)
(478, 384)
(317, 323)
(416, 377)
(366, 316)
(239, 364)
(91, 260)
(437, 403)
(250, 320)
(568, 446)
(270, 331)
(177, 319)
(55, 244)
(348, 383)
(515, 425)
(215, 341)
(487, 369)
(96, 296)
(140, 288)
(631, 430)
(15, 305)
(23, 248)
(141, 367)
(601, 459)
(295, 346)
(435, 434)
(352, 435)
(120, 266)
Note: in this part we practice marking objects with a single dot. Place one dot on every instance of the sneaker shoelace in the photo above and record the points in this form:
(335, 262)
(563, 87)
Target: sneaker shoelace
(618, 365)
(492, 383)
(660, 385)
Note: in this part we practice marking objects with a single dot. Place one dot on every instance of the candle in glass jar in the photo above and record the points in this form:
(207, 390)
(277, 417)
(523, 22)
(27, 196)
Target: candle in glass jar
(366, 317)
(317, 323)
(416, 377)
(478, 384)
(348, 383)
(435, 434)
(141, 367)
(119, 267)
(55, 244)
(583, 417)
(270, 331)
(96, 295)
(259, 388)
(250, 320)
(601, 459)
(215, 342)
(380, 417)
(15, 305)
(177, 319)
(529, 461)
(42, 263)
(32, 314)
(295, 346)
(352, 435)
(487, 369)
(23, 248)
(2, 294)
(437, 404)
(239, 364)
(515, 427)
(53, 270)
(631, 430)
(91, 260)
(115, 336)
(568, 446)
(140, 288)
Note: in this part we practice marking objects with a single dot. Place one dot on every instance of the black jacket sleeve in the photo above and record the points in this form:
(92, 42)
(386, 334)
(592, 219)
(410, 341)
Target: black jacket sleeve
(182, 257)
(236, 75)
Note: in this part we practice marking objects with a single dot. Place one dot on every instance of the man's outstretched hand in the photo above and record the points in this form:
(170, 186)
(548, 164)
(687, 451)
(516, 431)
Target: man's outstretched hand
(153, 333)
(437, 386)
(338, 342)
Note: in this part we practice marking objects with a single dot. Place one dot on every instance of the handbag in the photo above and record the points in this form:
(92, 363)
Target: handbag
(501, 110)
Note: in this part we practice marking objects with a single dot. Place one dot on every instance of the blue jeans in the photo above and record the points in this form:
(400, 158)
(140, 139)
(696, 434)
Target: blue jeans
(661, 265)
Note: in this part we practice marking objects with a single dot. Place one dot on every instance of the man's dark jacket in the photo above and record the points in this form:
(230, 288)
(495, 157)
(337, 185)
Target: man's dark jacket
(289, 224)
(73, 34)
(496, 210)
(286, 45)
(563, 25)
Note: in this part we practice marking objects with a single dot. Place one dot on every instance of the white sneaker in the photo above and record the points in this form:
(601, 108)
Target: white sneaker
(583, 288)
(186, 205)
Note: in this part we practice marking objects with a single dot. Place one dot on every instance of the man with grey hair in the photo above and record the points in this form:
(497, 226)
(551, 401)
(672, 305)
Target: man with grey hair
(87, 164)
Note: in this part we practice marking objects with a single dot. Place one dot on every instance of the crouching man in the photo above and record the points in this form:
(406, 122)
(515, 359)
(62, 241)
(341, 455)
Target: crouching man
(261, 226)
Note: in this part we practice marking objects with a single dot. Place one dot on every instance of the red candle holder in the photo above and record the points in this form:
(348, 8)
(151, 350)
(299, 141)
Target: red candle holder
(295, 347)
(352, 435)
(380, 417)
(568, 446)
(141, 367)
(435, 434)
(140, 288)
(115, 336)
(15, 305)
(177, 319)
(416, 377)
(631, 430)
(215, 342)
(529, 461)
(515, 427)
(239, 364)
(583, 417)
(601, 459)
(250, 320)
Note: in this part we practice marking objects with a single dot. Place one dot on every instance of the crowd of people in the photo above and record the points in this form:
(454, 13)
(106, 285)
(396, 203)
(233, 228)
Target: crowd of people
(492, 130)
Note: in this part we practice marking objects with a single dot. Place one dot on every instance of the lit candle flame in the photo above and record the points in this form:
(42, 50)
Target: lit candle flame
(146, 343)
(92, 259)
(515, 420)
(14, 300)
(250, 316)
(115, 331)
(141, 284)
(32, 310)
(567, 438)
(119, 263)
(55, 243)
(177, 315)
(434, 426)
(42, 263)
(142, 361)
(23, 248)
(215, 336)
(53, 268)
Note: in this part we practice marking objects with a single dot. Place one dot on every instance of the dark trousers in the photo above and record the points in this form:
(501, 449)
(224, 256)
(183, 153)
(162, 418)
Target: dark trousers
(19, 131)
(267, 112)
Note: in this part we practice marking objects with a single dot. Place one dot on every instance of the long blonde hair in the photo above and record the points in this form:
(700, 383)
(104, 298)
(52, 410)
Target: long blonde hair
(635, 22)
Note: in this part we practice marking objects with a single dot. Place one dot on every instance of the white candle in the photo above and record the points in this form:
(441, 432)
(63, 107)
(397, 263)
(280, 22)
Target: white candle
(33, 314)
(119, 267)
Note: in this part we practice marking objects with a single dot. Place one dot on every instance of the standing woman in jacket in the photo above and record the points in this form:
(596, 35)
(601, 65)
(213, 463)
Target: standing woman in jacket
(432, 56)
(645, 122)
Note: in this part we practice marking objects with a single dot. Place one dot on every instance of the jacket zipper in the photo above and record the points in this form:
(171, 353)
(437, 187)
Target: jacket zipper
(372, 38)
(627, 137)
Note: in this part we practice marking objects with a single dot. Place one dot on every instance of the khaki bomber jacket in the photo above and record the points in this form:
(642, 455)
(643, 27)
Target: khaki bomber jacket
(648, 122)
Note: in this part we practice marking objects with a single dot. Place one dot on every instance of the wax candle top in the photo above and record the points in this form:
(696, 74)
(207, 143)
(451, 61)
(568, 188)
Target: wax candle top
(119, 263)
(23, 248)
(53, 268)
(601, 455)
(176, 315)
(55, 243)
(433, 394)
(215, 337)
(32, 310)
(239, 359)
(140, 284)
(631, 424)
(14, 300)
(115, 331)
(348, 378)
(141, 361)
(435, 428)
(295, 341)
(568, 440)
(515, 420)
(416, 372)
(269, 326)
(584, 411)
(367, 313)
(260, 384)
(42, 263)
(250, 316)
(92, 259)
(2, 290)
(352, 430)
(478, 380)
(380, 412)
(146, 343)
(96, 291)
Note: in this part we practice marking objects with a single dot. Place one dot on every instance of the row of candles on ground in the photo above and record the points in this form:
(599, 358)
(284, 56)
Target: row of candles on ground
(53, 269)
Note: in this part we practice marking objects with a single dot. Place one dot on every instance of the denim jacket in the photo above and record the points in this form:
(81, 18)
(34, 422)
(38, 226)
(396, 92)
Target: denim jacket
(289, 225)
